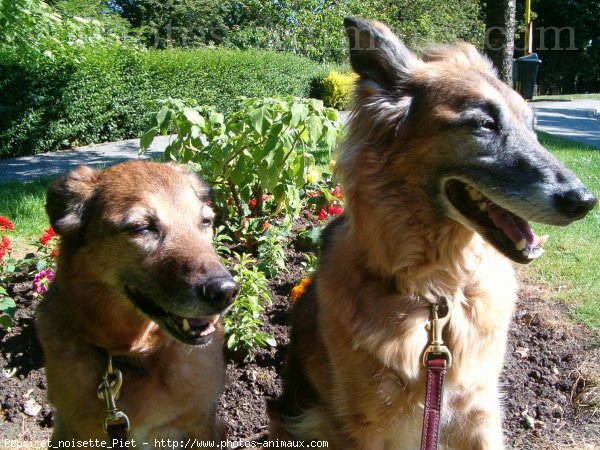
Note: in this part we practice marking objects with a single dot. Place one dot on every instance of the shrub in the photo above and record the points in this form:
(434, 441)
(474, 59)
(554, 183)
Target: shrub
(104, 92)
(256, 159)
(336, 89)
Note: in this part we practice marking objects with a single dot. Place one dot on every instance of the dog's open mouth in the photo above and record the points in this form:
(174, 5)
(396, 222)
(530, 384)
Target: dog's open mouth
(508, 232)
(189, 330)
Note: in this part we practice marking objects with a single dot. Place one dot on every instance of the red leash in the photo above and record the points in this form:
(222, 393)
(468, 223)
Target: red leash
(436, 359)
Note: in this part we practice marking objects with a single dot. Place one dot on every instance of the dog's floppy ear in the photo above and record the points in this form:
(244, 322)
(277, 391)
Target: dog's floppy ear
(68, 201)
(376, 54)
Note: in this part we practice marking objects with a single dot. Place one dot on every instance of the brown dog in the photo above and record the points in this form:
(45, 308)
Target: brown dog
(137, 278)
(440, 167)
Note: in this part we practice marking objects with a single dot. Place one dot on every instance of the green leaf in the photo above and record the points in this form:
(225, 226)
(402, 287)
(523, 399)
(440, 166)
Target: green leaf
(270, 340)
(162, 118)
(194, 117)
(238, 174)
(147, 138)
(41, 265)
(260, 119)
(299, 114)
(5, 321)
(232, 342)
(6, 303)
(314, 126)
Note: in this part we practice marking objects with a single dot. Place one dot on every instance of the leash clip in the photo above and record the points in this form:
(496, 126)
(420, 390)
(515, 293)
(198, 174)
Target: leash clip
(436, 327)
(108, 391)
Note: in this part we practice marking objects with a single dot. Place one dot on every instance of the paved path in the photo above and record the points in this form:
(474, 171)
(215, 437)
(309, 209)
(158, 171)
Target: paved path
(569, 119)
(100, 155)
(578, 120)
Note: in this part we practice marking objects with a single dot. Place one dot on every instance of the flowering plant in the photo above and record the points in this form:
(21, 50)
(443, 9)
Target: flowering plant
(300, 289)
(7, 304)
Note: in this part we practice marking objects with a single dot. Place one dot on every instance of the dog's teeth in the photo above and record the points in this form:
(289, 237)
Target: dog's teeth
(210, 329)
(533, 254)
(186, 325)
(543, 240)
(474, 194)
(521, 244)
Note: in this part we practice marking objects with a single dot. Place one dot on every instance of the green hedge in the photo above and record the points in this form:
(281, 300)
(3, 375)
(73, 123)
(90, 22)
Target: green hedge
(105, 93)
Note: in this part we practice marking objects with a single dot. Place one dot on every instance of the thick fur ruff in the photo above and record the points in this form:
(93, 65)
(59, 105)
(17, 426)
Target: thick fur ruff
(354, 374)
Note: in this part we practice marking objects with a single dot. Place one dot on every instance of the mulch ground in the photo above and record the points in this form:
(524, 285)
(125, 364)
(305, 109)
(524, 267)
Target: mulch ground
(547, 383)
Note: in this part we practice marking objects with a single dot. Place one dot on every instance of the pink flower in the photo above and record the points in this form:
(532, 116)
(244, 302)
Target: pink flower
(42, 280)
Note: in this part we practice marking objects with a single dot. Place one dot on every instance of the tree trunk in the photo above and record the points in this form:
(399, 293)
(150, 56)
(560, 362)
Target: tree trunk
(500, 36)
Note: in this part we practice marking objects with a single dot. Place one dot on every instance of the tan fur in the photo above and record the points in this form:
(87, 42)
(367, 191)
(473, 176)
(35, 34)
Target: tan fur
(86, 311)
(354, 375)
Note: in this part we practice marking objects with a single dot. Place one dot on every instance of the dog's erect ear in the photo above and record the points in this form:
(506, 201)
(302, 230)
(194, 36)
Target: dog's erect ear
(68, 201)
(376, 54)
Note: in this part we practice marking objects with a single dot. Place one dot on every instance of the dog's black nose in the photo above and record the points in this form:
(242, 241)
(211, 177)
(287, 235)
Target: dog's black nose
(219, 292)
(575, 203)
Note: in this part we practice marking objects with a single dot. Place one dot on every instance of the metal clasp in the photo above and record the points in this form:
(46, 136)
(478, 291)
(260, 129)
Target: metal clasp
(436, 327)
(108, 391)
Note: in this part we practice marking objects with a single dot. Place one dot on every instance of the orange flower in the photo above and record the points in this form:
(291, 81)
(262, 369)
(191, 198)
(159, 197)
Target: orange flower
(266, 225)
(300, 289)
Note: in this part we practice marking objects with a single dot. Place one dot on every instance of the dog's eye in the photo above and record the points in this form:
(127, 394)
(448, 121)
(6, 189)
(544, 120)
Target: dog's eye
(206, 222)
(142, 228)
(488, 124)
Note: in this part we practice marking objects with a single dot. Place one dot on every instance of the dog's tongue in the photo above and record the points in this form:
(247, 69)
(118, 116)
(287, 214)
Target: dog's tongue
(513, 226)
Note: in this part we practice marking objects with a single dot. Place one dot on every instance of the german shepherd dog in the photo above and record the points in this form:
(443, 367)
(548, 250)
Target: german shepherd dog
(441, 170)
(137, 278)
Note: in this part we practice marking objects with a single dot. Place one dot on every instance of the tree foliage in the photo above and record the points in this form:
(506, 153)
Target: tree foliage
(567, 39)
(309, 27)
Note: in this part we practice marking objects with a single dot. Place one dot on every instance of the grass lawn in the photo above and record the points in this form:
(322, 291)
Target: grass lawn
(549, 98)
(569, 271)
(23, 204)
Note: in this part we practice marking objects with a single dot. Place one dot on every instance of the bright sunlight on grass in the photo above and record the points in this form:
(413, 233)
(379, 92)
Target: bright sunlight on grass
(23, 204)
(570, 269)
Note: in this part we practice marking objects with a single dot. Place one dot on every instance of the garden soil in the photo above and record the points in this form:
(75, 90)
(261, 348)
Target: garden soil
(548, 388)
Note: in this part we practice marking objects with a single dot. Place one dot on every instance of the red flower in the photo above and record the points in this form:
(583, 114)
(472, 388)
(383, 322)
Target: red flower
(49, 233)
(266, 225)
(337, 192)
(4, 247)
(335, 210)
(252, 204)
(6, 224)
(54, 253)
(5, 243)
(246, 220)
(322, 214)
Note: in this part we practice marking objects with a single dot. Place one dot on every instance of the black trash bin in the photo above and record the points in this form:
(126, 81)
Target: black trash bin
(525, 71)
